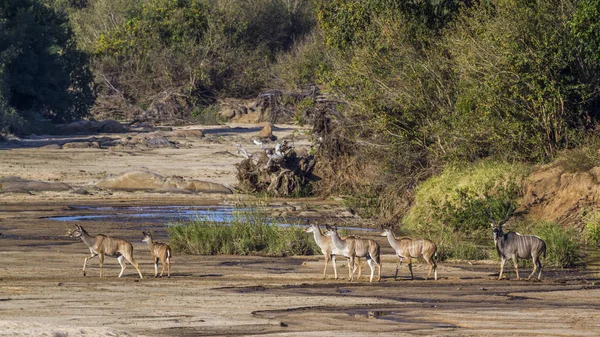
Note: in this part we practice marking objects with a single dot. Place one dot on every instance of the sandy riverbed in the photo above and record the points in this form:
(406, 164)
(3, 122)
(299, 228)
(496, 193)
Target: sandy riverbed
(43, 293)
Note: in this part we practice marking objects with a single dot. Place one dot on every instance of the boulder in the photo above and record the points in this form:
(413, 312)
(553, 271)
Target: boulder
(266, 132)
(81, 145)
(200, 186)
(195, 133)
(149, 181)
(133, 181)
(79, 127)
(52, 147)
(151, 140)
(19, 185)
(227, 113)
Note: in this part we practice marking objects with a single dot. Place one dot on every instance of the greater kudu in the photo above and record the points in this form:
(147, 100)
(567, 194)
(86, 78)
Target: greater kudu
(101, 245)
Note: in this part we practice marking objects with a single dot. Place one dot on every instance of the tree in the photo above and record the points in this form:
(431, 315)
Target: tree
(40, 66)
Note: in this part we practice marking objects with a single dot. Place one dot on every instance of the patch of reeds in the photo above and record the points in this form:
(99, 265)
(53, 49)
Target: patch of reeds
(250, 232)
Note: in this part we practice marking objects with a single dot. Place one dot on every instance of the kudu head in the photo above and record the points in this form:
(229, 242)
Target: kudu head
(497, 226)
(312, 227)
(386, 228)
(75, 233)
(147, 237)
(386, 231)
(330, 230)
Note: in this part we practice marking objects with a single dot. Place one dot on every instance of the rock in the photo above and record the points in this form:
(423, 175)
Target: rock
(187, 133)
(310, 214)
(52, 147)
(227, 113)
(79, 127)
(266, 132)
(77, 145)
(152, 140)
(346, 214)
(80, 191)
(207, 187)
(133, 181)
(111, 126)
(18, 185)
(149, 181)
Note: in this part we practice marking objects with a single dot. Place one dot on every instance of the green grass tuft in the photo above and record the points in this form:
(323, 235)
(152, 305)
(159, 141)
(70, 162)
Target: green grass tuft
(251, 232)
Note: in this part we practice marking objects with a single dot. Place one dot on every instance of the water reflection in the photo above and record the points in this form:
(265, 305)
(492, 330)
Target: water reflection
(171, 214)
(158, 214)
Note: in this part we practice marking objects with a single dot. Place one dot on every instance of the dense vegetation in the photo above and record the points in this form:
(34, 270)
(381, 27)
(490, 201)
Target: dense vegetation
(420, 93)
(42, 73)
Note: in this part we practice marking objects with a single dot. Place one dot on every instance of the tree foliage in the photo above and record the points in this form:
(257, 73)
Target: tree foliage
(448, 81)
(185, 51)
(41, 70)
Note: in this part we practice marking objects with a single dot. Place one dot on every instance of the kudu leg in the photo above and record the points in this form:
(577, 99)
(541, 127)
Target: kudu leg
(164, 265)
(502, 267)
(432, 267)
(516, 264)
(397, 267)
(371, 263)
(350, 271)
(86, 261)
(359, 265)
(409, 262)
(156, 267)
(335, 275)
(122, 263)
(168, 267)
(325, 267)
(536, 265)
(134, 264)
(101, 257)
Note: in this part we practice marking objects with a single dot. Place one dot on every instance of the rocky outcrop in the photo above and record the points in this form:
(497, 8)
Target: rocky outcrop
(152, 140)
(149, 181)
(86, 127)
(18, 185)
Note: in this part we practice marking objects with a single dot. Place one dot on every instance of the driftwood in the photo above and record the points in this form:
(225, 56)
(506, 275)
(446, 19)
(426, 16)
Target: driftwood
(278, 172)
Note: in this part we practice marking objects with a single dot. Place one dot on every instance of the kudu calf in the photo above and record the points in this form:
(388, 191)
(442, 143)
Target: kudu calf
(160, 251)
(328, 249)
(515, 246)
(407, 248)
(353, 248)
(101, 245)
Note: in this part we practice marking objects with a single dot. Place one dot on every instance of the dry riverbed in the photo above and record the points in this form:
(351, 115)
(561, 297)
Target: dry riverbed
(43, 292)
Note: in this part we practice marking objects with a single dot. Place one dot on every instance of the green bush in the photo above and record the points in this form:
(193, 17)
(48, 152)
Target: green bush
(455, 245)
(459, 198)
(302, 66)
(562, 244)
(591, 230)
(250, 232)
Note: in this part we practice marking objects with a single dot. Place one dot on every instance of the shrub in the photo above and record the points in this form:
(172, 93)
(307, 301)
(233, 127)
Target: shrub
(249, 232)
(459, 198)
(454, 245)
(562, 244)
(591, 230)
